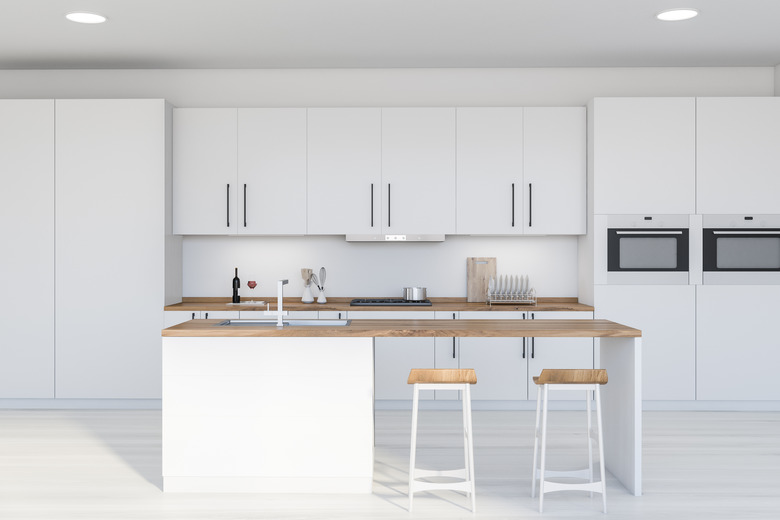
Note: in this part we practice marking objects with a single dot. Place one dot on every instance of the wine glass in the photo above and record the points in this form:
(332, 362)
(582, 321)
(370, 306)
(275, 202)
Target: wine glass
(251, 284)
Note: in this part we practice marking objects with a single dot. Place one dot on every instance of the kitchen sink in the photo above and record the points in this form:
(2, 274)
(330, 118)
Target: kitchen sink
(291, 323)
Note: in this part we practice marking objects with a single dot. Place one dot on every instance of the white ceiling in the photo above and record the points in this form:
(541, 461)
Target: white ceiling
(248, 34)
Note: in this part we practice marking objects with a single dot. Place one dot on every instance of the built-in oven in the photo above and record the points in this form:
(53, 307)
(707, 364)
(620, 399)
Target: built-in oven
(741, 249)
(647, 249)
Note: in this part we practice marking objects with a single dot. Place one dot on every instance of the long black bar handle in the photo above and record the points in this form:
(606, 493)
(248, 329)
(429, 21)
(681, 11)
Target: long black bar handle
(513, 204)
(244, 205)
(453, 340)
(228, 205)
(523, 348)
(372, 204)
(533, 348)
(530, 204)
(388, 204)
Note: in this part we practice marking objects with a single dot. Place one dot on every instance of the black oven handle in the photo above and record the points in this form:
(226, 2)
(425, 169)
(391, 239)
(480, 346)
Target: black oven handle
(648, 232)
(745, 232)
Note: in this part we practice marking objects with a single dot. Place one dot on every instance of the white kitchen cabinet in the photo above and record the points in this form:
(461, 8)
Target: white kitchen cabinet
(501, 364)
(558, 353)
(111, 177)
(521, 170)
(554, 170)
(27, 259)
(395, 357)
(446, 355)
(666, 315)
(643, 154)
(737, 345)
(205, 158)
(271, 182)
(344, 191)
(171, 318)
(490, 170)
(737, 155)
(418, 171)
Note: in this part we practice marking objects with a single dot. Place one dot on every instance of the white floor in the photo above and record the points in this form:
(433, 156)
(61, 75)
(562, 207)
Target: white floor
(101, 464)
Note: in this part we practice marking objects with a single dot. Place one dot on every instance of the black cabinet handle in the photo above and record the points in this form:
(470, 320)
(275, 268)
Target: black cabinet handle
(207, 315)
(372, 204)
(244, 205)
(530, 204)
(228, 205)
(513, 204)
(533, 350)
(339, 315)
(523, 348)
(453, 348)
(193, 315)
(388, 204)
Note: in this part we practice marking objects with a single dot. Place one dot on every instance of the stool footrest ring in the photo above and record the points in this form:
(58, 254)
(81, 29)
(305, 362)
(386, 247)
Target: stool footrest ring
(549, 487)
(454, 473)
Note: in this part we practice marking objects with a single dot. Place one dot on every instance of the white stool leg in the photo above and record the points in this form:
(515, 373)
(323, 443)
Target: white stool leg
(544, 448)
(601, 450)
(415, 400)
(536, 440)
(588, 397)
(470, 429)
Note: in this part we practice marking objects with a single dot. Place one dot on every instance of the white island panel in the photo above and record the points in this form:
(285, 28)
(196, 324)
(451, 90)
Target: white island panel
(268, 414)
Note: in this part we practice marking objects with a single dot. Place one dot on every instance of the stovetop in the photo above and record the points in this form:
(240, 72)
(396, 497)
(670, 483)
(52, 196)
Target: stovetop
(388, 301)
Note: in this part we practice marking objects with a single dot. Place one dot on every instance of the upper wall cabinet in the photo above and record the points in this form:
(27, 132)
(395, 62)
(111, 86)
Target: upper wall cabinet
(237, 171)
(521, 170)
(418, 170)
(738, 155)
(644, 155)
(345, 171)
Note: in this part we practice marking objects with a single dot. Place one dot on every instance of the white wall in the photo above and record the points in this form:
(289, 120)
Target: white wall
(370, 269)
(381, 269)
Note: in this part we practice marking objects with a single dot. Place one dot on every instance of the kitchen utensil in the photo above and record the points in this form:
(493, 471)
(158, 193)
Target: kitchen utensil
(414, 293)
(322, 278)
(306, 275)
(479, 270)
(316, 281)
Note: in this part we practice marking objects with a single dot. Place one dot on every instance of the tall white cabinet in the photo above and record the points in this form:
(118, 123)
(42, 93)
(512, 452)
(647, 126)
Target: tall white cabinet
(27, 259)
(111, 171)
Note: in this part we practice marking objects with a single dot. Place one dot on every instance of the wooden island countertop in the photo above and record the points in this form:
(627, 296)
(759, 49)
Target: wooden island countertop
(415, 328)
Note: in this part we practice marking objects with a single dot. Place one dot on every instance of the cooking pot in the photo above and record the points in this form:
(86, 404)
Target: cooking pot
(414, 293)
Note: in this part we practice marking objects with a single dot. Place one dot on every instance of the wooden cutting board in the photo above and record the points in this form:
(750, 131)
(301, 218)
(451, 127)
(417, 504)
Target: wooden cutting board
(478, 272)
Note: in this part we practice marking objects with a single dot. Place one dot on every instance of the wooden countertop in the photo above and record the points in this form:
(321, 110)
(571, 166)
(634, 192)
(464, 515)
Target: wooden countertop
(416, 328)
(342, 304)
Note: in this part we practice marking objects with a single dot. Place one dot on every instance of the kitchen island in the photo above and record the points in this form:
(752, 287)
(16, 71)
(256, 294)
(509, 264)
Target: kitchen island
(268, 409)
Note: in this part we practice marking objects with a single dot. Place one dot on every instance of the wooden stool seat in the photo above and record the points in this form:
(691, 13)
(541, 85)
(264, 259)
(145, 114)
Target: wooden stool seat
(597, 376)
(442, 376)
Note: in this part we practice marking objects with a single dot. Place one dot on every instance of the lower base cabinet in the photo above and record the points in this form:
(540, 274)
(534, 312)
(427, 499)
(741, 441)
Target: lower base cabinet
(738, 347)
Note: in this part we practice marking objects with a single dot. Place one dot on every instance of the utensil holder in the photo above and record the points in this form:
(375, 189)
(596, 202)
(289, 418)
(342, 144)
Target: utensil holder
(321, 298)
(307, 297)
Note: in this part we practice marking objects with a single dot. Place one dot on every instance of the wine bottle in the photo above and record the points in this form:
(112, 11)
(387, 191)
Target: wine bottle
(236, 285)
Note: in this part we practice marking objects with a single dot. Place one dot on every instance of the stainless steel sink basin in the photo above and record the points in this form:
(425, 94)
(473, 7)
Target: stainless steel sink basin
(291, 323)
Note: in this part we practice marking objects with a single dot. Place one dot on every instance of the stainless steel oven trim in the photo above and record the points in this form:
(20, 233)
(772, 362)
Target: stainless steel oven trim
(613, 256)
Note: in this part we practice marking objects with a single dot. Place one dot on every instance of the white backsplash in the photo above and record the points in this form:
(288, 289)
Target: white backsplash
(362, 269)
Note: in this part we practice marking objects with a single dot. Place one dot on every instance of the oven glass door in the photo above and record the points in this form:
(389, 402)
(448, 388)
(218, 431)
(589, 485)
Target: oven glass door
(647, 249)
(741, 250)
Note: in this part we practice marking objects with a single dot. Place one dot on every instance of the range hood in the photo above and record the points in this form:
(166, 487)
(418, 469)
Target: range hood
(395, 238)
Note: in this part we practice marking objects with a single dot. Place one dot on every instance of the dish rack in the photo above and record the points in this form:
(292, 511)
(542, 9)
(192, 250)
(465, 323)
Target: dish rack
(510, 290)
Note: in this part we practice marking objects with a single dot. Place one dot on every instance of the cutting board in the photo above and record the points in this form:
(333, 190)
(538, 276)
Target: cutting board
(478, 272)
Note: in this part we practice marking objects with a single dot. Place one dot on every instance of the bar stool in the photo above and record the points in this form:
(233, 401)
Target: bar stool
(589, 380)
(443, 379)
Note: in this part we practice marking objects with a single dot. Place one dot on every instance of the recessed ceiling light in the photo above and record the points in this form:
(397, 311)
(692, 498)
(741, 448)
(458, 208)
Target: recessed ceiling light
(85, 17)
(677, 15)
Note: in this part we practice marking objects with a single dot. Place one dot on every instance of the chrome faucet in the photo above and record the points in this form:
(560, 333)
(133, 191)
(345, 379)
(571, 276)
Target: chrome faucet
(279, 312)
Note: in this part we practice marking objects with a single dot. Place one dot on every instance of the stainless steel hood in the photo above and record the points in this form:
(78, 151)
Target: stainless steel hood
(395, 238)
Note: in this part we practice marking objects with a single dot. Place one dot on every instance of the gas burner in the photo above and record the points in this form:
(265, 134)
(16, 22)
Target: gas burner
(388, 301)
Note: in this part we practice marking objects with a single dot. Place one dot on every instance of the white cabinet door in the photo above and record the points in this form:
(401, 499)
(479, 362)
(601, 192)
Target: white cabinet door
(446, 355)
(395, 357)
(501, 364)
(490, 170)
(738, 156)
(171, 318)
(27, 258)
(737, 347)
(644, 155)
(418, 170)
(271, 171)
(344, 171)
(554, 176)
(559, 353)
(110, 248)
(205, 190)
(666, 315)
